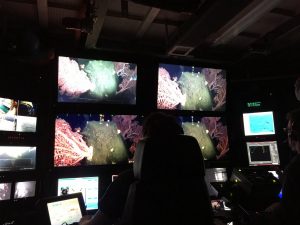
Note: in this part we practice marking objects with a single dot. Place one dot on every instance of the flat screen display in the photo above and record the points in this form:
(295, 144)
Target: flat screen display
(211, 134)
(24, 189)
(64, 211)
(88, 186)
(258, 123)
(191, 88)
(17, 115)
(95, 139)
(5, 191)
(14, 158)
(262, 153)
(96, 81)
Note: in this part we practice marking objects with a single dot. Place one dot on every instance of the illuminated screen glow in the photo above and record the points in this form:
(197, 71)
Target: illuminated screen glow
(17, 115)
(191, 88)
(24, 189)
(14, 158)
(216, 174)
(5, 191)
(95, 139)
(258, 123)
(64, 212)
(262, 153)
(211, 134)
(96, 81)
(88, 186)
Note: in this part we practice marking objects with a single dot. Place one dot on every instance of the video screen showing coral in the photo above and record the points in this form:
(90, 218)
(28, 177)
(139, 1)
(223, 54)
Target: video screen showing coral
(95, 139)
(24, 189)
(17, 115)
(5, 191)
(191, 88)
(96, 81)
(15, 158)
(211, 134)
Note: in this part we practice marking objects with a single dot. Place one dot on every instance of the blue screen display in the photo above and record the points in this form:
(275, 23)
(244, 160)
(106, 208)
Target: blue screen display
(259, 123)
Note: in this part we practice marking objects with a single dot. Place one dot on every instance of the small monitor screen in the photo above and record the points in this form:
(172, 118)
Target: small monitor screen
(96, 81)
(191, 88)
(17, 115)
(5, 191)
(211, 134)
(88, 186)
(14, 158)
(263, 153)
(24, 189)
(64, 212)
(216, 174)
(258, 123)
(95, 139)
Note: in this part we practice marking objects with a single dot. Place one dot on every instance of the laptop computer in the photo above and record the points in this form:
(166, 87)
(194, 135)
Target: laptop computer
(64, 209)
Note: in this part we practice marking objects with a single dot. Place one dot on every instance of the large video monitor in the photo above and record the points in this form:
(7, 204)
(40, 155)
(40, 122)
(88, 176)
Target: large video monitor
(96, 81)
(24, 189)
(88, 186)
(15, 158)
(211, 134)
(5, 191)
(191, 88)
(95, 139)
(262, 153)
(17, 115)
(258, 123)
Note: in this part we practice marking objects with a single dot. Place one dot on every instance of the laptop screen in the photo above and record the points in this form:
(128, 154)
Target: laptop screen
(65, 209)
(64, 212)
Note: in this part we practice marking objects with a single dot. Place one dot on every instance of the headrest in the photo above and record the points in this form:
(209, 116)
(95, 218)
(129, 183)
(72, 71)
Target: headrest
(168, 157)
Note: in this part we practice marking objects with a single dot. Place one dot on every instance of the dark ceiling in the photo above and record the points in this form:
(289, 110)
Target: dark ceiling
(256, 37)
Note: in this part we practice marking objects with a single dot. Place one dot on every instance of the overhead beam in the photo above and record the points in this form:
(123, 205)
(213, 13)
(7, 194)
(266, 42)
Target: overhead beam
(248, 16)
(279, 33)
(42, 6)
(101, 9)
(153, 12)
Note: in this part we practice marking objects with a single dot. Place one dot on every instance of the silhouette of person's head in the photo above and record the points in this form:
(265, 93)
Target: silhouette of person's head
(293, 130)
(159, 124)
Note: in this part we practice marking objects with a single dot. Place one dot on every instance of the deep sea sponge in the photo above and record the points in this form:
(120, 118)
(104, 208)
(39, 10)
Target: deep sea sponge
(108, 145)
(102, 74)
(194, 86)
(199, 131)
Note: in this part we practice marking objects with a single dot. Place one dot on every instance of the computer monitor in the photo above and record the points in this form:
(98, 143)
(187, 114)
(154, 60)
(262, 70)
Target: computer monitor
(15, 158)
(5, 191)
(17, 115)
(183, 87)
(258, 123)
(95, 139)
(96, 81)
(88, 186)
(24, 189)
(262, 153)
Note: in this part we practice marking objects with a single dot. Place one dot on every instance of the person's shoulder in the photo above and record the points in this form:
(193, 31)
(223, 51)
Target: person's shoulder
(126, 175)
(294, 166)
